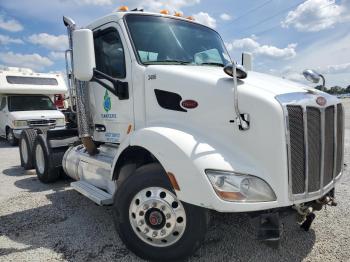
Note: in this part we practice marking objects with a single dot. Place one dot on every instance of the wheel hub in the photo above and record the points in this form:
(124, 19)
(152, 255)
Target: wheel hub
(24, 151)
(157, 217)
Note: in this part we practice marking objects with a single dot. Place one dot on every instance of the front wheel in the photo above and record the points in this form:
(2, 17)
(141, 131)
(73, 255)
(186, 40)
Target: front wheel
(152, 222)
(10, 136)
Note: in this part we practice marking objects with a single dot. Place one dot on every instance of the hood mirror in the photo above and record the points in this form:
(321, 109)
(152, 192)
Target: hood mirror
(313, 76)
(241, 72)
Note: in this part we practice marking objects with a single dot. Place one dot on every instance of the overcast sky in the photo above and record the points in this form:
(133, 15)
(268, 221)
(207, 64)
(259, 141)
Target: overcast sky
(285, 37)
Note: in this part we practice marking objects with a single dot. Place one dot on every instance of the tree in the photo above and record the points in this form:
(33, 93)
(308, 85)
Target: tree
(347, 90)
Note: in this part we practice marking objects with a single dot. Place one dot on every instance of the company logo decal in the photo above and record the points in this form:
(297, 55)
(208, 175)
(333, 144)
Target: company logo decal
(321, 101)
(107, 105)
(190, 104)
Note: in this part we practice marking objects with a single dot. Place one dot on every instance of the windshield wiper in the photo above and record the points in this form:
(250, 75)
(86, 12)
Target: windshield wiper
(181, 62)
(212, 63)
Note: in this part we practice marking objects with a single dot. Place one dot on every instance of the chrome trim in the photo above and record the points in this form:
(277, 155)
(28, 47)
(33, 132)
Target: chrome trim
(323, 139)
(306, 147)
(304, 100)
(335, 140)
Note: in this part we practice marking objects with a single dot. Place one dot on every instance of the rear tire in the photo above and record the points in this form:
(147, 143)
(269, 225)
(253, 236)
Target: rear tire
(152, 222)
(26, 145)
(11, 139)
(45, 170)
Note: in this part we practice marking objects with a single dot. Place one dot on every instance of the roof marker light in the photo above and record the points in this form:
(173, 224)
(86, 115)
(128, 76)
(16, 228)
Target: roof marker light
(164, 12)
(178, 14)
(190, 18)
(123, 8)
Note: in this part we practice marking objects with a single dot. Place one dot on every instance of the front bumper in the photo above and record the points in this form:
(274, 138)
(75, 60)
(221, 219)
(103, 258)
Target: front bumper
(18, 131)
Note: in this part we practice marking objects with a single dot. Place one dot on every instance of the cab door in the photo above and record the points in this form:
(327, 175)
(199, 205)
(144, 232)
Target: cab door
(112, 115)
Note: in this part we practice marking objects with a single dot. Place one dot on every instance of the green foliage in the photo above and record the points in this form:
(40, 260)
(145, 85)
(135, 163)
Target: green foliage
(334, 90)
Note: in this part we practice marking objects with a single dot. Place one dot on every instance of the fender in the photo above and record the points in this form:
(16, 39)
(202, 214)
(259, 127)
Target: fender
(187, 156)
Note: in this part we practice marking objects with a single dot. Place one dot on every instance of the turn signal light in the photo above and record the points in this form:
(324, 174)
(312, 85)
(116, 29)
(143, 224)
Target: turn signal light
(173, 181)
(123, 8)
(164, 12)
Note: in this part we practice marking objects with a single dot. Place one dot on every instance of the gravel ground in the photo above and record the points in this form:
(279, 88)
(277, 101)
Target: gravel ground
(54, 223)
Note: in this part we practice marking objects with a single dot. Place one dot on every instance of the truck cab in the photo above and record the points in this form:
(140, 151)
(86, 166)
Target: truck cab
(26, 102)
(169, 128)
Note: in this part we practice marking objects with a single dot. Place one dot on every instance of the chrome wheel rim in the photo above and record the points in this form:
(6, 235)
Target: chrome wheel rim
(157, 217)
(39, 158)
(24, 151)
(10, 136)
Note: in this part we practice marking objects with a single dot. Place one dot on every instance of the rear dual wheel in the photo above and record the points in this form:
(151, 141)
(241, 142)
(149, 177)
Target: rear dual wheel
(43, 163)
(26, 144)
(152, 222)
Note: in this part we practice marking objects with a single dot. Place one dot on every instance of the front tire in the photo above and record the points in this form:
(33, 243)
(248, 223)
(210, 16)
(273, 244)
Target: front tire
(11, 139)
(26, 144)
(152, 222)
(45, 170)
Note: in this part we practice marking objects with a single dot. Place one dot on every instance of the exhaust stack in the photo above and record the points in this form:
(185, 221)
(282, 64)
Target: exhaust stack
(79, 89)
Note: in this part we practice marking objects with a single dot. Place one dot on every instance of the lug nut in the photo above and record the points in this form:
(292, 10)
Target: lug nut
(162, 232)
(162, 208)
(145, 207)
(146, 230)
(154, 204)
(168, 216)
(141, 222)
(155, 233)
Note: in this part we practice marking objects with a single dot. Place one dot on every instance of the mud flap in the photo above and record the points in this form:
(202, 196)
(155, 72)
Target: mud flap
(268, 228)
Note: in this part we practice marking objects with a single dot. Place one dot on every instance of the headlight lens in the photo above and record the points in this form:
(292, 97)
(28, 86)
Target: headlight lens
(20, 123)
(235, 187)
(60, 122)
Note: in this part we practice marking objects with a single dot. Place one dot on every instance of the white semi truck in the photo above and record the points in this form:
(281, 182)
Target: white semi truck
(26, 101)
(169, 128)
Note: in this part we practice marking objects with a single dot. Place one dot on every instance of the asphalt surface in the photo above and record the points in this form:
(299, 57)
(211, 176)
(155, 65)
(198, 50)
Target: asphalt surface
(54, 223)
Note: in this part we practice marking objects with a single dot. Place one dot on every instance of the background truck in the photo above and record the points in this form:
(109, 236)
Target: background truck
(170, 128)
(26, 101)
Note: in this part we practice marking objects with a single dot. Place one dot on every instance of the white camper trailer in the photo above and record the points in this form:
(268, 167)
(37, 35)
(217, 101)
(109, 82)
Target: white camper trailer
(26, 101)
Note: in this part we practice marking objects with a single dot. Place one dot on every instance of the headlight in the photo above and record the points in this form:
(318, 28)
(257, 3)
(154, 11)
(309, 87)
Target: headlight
(60, 122)
(20, 123)
(235, 187)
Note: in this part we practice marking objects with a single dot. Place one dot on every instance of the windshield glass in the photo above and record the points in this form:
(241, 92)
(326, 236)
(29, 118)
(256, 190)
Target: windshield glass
(161, 40)
(30, 103)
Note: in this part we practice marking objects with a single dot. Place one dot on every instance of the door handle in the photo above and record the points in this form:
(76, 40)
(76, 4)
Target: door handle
(100, 128)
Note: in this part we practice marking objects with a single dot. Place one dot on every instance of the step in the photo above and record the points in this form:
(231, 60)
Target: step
(97, 195)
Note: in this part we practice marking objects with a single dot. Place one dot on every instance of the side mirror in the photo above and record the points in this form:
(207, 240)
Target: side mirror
(83, 54)
(313, 76)
(247, 61)
(241, 72)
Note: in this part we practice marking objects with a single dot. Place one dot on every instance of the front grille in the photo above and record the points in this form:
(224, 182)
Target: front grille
(315, 146)
(314, 141)
(296, 128)
(41, 122)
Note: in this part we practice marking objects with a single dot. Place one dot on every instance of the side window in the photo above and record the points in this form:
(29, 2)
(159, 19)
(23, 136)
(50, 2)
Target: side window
(109, 53)
(3, 103)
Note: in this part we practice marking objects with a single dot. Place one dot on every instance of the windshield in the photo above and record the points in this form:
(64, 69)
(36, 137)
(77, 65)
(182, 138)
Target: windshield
(162, 40)
(30, 103)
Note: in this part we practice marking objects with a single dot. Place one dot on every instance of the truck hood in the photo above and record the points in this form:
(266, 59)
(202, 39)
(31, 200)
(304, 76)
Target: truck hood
(28, 115)
(271, 84)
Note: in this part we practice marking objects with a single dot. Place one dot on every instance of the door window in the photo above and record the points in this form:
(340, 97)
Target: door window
(3, 103)
(109, 53)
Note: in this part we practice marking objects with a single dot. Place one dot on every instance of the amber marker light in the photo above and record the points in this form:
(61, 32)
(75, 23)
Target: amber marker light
(173, 181)
(190, 18)
(178, 14)
(164, 12)
(123, 8)
(129, 129)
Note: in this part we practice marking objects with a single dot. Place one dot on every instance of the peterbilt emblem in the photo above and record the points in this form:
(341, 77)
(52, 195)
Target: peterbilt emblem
(321, 101)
